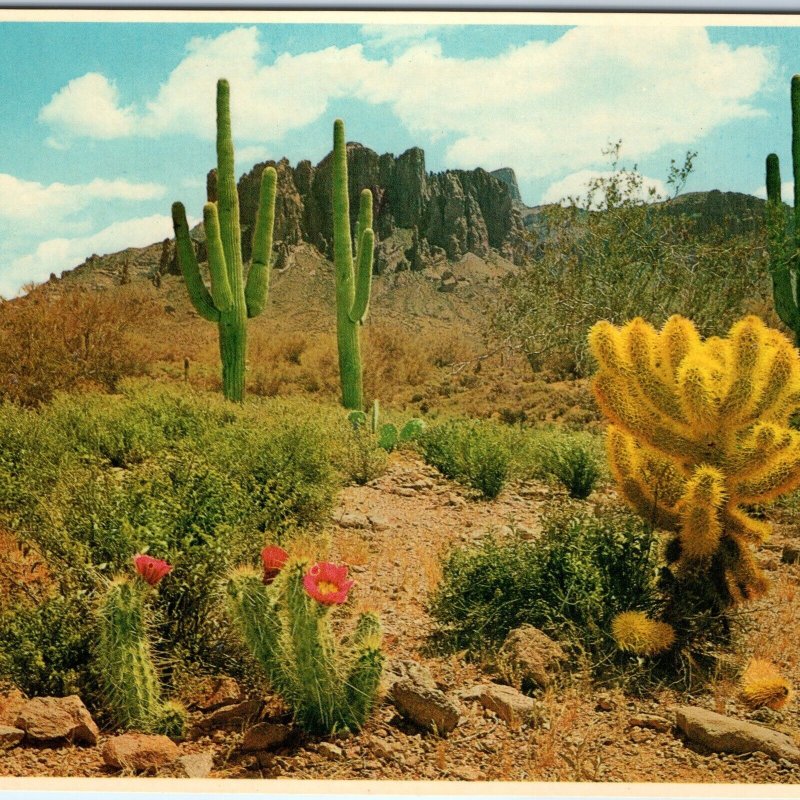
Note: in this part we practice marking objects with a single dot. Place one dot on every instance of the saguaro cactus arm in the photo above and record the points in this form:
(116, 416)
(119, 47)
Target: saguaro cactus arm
(257, 288)
(358, 312)
(220, 285)
(198, 294)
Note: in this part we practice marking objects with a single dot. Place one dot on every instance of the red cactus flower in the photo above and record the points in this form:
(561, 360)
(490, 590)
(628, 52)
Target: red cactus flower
(151, 569)
(327, 583)
(273, 558)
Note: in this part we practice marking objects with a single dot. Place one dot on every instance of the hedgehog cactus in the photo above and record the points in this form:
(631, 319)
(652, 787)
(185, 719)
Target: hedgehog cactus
(286, 624)
(783, 252)
(762, 685)
(130, 679)
(352, 290)
(699, 435)
(231, 300)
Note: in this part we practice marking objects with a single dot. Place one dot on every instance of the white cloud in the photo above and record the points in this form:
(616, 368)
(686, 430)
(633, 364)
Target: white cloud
(87, 106)
(543, 107)
(576, 185)
(392, 35)
(787, 191)
(55, 255)
(34, 202)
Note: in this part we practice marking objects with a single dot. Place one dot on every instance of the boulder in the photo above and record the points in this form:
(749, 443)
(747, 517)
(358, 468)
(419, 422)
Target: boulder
(140, 752)
(265, 736)
(529, 658)
(728, 735)
(11, 703)
(509, 704)
(418, 699)
(195, 765)
(9, 737)
(233, 717)
(46, 719)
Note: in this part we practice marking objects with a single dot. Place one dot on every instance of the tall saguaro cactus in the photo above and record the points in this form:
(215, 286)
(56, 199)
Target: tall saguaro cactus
(352, 290)
(231, 300)
(784, 251)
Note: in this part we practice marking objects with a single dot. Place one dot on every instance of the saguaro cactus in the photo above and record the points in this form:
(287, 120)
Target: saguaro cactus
(231, 300)
(784, 250)
(700, 435)
(352, 291)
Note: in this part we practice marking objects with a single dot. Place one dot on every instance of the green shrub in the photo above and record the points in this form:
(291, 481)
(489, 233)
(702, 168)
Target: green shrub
(364, 459)
(474, 453)
(573, 460)
(570, 582)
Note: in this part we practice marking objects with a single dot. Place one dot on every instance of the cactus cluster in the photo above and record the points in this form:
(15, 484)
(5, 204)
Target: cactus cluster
(131, 685)
(284, 618)
(352, 288)
(231, 300)
(784, 249)
(699, 436)
(387, 435)
(763, 686)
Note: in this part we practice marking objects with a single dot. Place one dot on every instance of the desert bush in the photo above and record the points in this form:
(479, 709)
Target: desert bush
(573, 459)
(617, 253)
(364, 458)
(474, 453)
(50, 343)
(570, 582)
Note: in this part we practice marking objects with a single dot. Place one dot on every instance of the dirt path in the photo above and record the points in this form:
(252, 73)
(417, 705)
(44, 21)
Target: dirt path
(392, 533)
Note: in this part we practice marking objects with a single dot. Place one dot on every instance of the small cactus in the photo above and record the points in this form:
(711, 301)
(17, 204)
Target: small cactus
(130, 680)
(286, 624)
(763, 686)
(635, 632)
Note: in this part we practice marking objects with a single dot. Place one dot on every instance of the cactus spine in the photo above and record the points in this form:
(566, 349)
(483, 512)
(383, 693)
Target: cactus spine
(783, 250)
(352, 290)
(330, 686)
(700, 434)
(130, 679)
(231, 300)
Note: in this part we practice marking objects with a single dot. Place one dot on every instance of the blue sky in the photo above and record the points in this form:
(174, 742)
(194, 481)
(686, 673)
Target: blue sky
(105, 124)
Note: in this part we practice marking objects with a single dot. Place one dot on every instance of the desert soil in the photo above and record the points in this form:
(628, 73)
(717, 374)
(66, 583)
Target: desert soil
(392, 533)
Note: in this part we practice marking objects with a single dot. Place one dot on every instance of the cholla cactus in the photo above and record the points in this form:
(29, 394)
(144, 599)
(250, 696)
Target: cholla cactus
(699, 435)
(635, 632)
(762, 685)
(130, 679)
(286, 624)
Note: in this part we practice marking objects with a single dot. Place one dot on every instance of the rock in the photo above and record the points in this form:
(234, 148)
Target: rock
(354, 519)
(509, 704)
(233, 717)
(379, 522)
(651, 721)
(11, 703)
(9, 737)
(46, 719)
(216, 693)
(790, 554)
(605, 702)
(140, 752)
(529, 658)
(728, 735)
(425, 706)
(330, 751)
(265, 736)
(195, 765)
(469, 774)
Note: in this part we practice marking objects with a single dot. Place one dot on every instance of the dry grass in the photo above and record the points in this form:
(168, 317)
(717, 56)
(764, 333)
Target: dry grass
(23, 573)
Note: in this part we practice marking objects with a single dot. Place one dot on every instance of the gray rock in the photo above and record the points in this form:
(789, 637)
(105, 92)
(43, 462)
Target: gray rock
(195, 765)
(46, 719)
(530, 658)
(379, 522)
(651, 721)
(427, 707)
(233, 717)
(140, 752)
(10, 737)
(727, 735)
(354, 519)
(330, 751)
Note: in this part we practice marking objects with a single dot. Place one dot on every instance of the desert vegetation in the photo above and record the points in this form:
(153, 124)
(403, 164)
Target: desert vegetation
(537, 523)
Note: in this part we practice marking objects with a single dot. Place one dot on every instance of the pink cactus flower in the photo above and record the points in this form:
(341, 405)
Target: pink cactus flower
(273, 558)
(327, 583)
(151, 569)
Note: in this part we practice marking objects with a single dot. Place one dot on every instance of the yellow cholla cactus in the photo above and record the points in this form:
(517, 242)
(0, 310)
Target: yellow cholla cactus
(635, 632)
(762, 685)
(700, 432)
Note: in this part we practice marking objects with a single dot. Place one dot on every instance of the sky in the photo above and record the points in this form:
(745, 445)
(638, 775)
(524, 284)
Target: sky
(105, 124)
